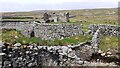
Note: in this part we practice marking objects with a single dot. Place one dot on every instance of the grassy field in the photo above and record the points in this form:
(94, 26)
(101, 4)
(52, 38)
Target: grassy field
(109, 43)
(84, 16)
(107, 15)
(13, 36)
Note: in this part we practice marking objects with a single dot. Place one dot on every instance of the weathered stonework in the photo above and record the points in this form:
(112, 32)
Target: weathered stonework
(52, 31)
(53, 17)
(110, 30)
(44, 30)
(25, 56)
(96, 40)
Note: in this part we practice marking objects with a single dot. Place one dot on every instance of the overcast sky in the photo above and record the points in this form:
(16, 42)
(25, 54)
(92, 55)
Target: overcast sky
(29, 5)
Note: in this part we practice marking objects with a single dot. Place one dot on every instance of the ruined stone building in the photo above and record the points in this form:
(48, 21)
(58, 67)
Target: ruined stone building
(53, 17)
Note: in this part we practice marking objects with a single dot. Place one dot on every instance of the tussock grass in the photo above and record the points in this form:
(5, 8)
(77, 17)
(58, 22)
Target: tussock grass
(109, 42)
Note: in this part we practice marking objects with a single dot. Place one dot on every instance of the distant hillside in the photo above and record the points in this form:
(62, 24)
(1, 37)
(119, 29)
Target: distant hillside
(73, 12)
(106, 15)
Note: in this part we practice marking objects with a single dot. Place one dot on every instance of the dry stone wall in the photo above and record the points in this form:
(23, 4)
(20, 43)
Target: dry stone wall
(24, 27)
(96, 40)
(110, 30)
(52, 31)
(24, 56)
(44, 30)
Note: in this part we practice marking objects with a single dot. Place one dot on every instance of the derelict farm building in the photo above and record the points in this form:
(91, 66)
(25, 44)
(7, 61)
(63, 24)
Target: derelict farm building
(53, 17)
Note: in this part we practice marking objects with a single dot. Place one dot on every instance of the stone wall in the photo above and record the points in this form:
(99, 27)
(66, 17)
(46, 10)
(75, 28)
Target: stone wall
(96, 40)
(110, 30)
(44, 30)
(51, 31)
(24, 56)
(24, 27)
